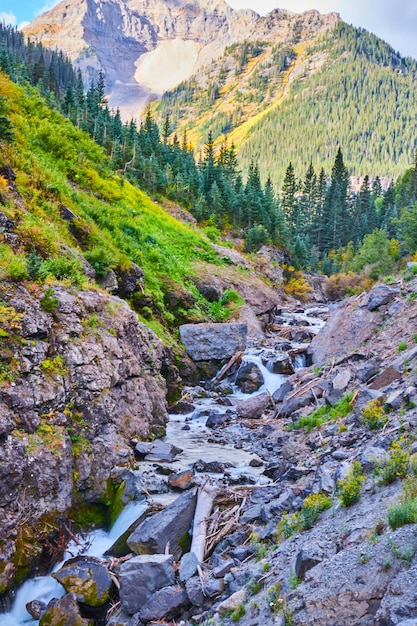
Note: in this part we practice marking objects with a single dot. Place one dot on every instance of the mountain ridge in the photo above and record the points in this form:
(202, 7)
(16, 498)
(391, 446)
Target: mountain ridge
(136, 40)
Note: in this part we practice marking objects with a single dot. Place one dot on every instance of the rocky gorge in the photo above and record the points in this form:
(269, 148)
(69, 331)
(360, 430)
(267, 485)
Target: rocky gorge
(296, 531)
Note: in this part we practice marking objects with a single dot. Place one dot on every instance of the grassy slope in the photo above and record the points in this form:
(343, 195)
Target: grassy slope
(56, 164)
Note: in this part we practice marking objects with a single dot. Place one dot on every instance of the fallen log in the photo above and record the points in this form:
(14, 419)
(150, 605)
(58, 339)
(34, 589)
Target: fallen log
(236, 358)
(205, 500)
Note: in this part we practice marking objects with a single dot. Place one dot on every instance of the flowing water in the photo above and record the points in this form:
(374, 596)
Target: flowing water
(187, 432)
(44, 588)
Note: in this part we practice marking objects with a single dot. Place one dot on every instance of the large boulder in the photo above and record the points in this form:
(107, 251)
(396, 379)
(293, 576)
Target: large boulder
(88, 578)
(380, 295)
(170, 526)
(253, 407)
(204, 342)
(349, 325)
(141, 577)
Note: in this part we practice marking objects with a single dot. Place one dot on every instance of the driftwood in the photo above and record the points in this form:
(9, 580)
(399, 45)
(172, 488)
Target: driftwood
(217, 514)
(205, 500)
(236, 358)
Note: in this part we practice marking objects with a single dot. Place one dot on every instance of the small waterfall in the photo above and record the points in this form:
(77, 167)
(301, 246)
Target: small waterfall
(44, 588)
(272, 381)
(300, 360)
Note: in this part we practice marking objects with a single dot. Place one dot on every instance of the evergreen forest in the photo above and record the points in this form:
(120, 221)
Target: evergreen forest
(316, 216)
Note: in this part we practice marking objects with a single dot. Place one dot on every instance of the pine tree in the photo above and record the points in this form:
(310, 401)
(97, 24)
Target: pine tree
(6, 128)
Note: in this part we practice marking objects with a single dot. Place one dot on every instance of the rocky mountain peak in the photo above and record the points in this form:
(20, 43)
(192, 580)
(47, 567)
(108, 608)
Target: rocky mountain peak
(146, 47)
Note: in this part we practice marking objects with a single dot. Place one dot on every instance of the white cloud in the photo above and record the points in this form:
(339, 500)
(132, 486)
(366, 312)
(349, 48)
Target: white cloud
(22, 25)
(7, 17)
(48, 5)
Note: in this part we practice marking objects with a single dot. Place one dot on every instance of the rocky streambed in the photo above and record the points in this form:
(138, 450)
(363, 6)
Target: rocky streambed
(291, 525)
(206, 444)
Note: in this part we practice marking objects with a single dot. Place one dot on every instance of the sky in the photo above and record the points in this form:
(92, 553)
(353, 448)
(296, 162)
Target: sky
(393, 20)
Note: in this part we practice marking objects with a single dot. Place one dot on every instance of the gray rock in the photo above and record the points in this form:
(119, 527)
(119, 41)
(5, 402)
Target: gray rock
(380, 295)
(231, 603)
(64, 612)
(88, 578)
(249, 377)
(204, 342)
(209, 289)
(348, 326)
(294, 404)
(171, 526)
(141, 577)
(399, 603)
(162, 451)
(305, 560)
(188, 566)
(36, 608)
(254, 407)
(223, 568)
(395, 399)
(281, 364)
(280, 394)
(369, 369)
(164, 604)
(129, 280)
(300, 335)
(342, 379)
(214, 587)
(217, 419)
(251, 514)
(372, 457)
(109, 282)
(195, 591)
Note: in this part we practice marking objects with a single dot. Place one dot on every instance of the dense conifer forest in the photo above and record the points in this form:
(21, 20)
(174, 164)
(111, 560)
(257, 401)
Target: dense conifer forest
(316, 216)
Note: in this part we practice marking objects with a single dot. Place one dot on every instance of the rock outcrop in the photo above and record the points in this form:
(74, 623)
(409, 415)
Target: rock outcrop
(81, 378)
(146, 47)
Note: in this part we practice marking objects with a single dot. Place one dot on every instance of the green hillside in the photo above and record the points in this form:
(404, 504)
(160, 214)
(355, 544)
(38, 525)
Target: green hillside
(60, 171)
(348, 88)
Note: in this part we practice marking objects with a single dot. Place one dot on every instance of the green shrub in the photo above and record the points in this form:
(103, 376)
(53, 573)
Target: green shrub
(63, 268)
(396, 466)
(325, 414)
(349, 488)
(49, 302)
(404, 512)
(101, 259)
(373, 415)
(313, 505)
(291, 523)
(54, 367)
(16, 268)
(402, 346)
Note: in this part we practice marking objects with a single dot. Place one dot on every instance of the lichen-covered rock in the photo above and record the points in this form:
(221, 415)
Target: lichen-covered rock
(88, 578)
(64, 612)
(83, 379)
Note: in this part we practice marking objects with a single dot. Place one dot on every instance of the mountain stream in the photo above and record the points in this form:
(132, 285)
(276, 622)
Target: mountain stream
(190, 433)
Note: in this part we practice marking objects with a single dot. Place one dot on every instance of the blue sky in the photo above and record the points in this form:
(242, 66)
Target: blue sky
(394, 21)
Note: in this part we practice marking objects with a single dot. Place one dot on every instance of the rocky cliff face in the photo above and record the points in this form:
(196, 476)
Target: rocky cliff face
(148, 46)
(81, 378)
